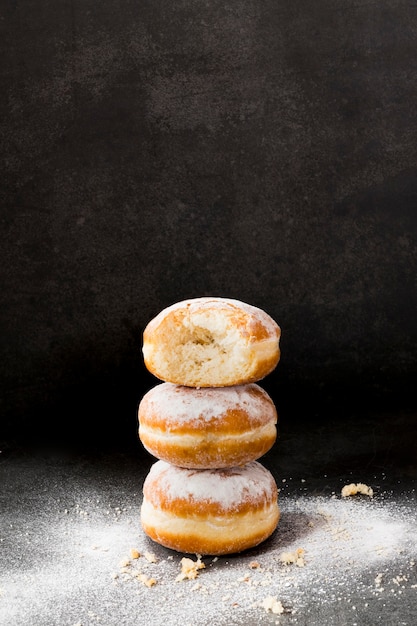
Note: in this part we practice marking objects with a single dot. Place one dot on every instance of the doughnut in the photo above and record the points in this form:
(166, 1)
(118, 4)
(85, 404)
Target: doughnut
(211, 342)
(218, 511)
(207, 428)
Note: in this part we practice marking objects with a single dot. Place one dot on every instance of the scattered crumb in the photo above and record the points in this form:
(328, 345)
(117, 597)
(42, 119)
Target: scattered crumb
(254, 565)
(272, 605)
(289, 558)
(244, 579)
(148, 582)
(353, 489)
(378, 580)
(189, 568)
(130, 572)
(399, 579)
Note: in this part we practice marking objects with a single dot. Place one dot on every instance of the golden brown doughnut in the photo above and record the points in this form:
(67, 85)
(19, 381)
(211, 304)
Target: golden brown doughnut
(211, 342)
(212, 427)
(209, 511)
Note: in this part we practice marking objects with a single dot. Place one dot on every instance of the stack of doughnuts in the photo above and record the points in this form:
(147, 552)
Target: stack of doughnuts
(208, 422)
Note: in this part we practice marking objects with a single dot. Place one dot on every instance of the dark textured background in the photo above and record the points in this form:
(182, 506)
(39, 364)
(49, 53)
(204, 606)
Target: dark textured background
(153, 151)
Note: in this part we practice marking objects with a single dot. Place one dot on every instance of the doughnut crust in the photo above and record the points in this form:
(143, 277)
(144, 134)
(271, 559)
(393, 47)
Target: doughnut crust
(207, 428)
(211, 342)
(209, 511)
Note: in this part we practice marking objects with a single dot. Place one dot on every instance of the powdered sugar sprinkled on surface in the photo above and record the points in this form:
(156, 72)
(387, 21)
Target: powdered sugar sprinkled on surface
(67, 559)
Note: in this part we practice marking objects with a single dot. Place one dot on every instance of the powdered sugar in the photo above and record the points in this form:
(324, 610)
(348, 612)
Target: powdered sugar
(68, 530)
(226, 487)
(357, 554)
(227, 305)
(176, 405)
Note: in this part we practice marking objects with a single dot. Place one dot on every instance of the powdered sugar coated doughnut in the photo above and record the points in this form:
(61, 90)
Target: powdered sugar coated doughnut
(204, 428)
(209, 511)
(211, 342)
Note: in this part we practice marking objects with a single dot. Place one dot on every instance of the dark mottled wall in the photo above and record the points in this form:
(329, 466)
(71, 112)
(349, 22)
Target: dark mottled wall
(153, 151)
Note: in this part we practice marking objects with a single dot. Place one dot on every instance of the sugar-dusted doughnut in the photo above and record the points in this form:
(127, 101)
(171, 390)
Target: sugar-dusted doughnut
(207, 427)
(211, 342)
(221, 511)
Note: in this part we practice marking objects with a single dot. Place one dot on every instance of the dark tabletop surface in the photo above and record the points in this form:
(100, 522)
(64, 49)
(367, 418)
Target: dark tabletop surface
(70, 520)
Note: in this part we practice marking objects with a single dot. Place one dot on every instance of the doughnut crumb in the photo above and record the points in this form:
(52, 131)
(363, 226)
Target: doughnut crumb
(272, 605)
(189, 568)
(293, 558)
(357, 488)
(150, 557)
(148, 582)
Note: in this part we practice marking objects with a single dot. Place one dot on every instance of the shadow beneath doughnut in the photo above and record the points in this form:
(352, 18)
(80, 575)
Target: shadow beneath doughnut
(293, 528)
